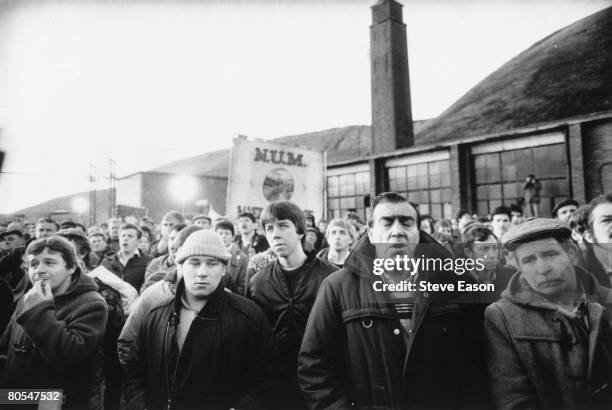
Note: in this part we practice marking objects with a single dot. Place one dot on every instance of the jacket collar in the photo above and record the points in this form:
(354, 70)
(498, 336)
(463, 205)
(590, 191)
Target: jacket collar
(361, 259)
(519, 291)
(213, 304)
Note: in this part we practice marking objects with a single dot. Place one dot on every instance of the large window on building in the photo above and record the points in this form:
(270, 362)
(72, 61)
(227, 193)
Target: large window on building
(345, 191)
(425, 183)
(499, 176)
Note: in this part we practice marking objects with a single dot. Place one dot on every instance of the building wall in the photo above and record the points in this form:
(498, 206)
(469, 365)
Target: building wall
(597, 153)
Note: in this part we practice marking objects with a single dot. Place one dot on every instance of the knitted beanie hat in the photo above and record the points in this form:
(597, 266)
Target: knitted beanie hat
(203, 243)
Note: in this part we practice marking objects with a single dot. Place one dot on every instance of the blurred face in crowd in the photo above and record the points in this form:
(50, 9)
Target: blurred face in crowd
(500, 224)
(203, 222)
(309, 222)
(172, 245)
(445, 230)
(12, 241)
(565, 213)
(322, 226)
(426, 226)
(283, 237)
(488, 250)
(97, 243)
(226, 236)
(45, 229)
(202, 275)
(245, 225)
(144, 243)
(516, 217)
(338, 238)
(465, 218)
(311, 237)
(394, 223)
(113, 228)
(50, 267)
(167, 224)
(601, 222)
(128, 240)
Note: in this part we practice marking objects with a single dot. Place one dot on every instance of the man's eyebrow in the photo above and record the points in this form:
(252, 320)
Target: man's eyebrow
(401, 218)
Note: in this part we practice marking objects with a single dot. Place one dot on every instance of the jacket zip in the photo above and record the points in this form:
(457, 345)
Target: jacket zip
(166, 363)
(412, 335)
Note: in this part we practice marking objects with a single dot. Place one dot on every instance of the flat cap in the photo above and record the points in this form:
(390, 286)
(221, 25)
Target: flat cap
(11, 232)
(201, 216)
(534, 229)
(563, 203)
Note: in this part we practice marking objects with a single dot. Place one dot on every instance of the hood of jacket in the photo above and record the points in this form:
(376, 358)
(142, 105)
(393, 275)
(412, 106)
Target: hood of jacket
(519, 291)
(83, 283)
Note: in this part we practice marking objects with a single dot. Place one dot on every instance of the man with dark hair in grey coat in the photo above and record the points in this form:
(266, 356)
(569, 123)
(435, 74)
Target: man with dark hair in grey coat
(549, 339)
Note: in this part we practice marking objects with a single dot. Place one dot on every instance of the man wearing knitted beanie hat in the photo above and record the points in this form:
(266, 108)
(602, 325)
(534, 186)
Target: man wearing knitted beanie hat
(152, 295)
(218, 348)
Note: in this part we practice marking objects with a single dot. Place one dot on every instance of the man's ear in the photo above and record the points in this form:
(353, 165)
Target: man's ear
(572, 252)
(370, 235)
(588, 236)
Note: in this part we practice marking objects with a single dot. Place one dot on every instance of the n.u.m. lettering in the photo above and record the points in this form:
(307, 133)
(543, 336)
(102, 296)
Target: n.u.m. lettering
(279, 157)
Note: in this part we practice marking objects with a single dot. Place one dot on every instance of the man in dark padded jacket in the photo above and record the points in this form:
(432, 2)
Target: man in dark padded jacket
(286, 288)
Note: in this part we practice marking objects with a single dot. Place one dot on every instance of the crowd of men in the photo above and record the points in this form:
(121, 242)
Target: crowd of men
(277, 312)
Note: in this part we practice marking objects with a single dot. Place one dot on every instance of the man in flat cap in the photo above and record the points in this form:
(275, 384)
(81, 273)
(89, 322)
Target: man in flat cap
(549, 339)
(564, 210)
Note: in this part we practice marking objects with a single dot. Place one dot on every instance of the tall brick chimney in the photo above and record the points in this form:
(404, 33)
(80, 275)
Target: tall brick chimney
(391, 105)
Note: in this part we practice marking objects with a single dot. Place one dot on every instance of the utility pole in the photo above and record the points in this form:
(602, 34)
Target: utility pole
(112, 188)
(92, 194)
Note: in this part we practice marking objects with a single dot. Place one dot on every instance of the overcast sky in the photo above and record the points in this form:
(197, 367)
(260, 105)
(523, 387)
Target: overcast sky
(149, 82)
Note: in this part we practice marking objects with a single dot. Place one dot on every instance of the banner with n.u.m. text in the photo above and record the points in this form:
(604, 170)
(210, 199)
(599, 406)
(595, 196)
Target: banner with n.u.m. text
(262, 172)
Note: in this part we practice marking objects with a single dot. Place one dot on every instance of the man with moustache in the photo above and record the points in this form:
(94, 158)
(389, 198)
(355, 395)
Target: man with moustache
(369, 349)
(549, 339)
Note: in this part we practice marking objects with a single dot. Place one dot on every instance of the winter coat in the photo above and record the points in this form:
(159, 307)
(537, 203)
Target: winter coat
(6, 305)
(595, 267)
(259, 243)
(535, 358)
(159, 264)
(57, 344)
(134, 270)
(154, 295)
(356, 353)
(289, 314)
(228, 359)
(235, 276)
